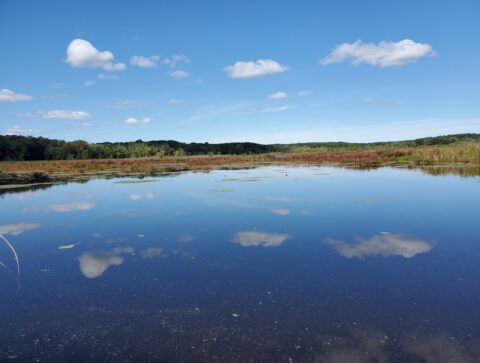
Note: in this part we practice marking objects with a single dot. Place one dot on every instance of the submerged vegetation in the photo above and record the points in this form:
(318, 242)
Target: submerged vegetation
(458, 154)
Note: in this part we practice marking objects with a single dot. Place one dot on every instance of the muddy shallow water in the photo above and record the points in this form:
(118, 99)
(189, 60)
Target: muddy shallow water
(275, 264)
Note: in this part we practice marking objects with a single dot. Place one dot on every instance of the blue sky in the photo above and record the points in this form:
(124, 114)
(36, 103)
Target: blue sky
(219, 71)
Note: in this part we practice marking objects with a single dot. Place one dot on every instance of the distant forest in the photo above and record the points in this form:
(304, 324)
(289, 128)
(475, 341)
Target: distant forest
(16, 148)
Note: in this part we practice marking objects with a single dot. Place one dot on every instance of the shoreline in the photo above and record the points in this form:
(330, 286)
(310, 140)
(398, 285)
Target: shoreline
(20, 175)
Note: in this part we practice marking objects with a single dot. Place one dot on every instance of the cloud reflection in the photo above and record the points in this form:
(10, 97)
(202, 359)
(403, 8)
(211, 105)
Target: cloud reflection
(384, 244)
(258, 238)
(281, 211)
(151, 253)
(94, 264)
(139, 196)
(17, 228)
(71, 207)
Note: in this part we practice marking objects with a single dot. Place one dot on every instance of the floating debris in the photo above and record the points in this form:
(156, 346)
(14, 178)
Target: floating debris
(67, 247)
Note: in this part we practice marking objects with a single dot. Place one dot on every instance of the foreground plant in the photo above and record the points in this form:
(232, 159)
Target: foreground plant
(15, 256)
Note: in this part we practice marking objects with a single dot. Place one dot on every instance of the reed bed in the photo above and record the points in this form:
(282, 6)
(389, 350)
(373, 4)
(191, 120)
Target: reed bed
(41, 171)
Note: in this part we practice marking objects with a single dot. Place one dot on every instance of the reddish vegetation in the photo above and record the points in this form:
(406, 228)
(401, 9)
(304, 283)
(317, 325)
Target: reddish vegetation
(410, 156)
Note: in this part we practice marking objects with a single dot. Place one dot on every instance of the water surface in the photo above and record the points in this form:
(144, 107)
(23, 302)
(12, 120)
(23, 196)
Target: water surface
(272, 264)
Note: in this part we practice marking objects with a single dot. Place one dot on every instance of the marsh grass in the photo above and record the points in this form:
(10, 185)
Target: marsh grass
(31, 171)
(15, 256)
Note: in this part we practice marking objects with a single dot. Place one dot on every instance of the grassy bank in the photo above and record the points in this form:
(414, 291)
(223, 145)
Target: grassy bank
(28, 172)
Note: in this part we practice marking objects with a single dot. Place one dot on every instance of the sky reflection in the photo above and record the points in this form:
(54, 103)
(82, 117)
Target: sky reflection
(384, 244)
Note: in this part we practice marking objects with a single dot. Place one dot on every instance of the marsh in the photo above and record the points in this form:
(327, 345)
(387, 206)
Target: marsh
(299, 264)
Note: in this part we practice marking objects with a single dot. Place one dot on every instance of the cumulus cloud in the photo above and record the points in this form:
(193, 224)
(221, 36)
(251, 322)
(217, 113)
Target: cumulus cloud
(383, 54)
(82, 54)
(94, 264)
(304, 93)
(384, 244)
(19, 130)
(144, 62)
(176, 59)
(17, 228)
(178, 74)
(65, 115)
(278, 96)
(135, 121)
(258, 238)
(7, 95)
(89, 83)
(251, 69)
(71, 207)
(107, 77)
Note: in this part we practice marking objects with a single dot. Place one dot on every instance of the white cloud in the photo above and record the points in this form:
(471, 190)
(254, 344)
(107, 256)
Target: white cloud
(174, 101)
(135, 121)
(19, 130)
(385, 244)
(278, 96)
(65, 115)
(174, 59)
(108, 77)
(144, 62)
(82, 54)
(304, 93)
(7, 95)
(276, 109)
(383, 54)
(261, 67)
(17, 228)
(82, 125)
(71, 207)
(94, 264)
(89, 83)
(179, 74)
(257, 238)
(370, 100)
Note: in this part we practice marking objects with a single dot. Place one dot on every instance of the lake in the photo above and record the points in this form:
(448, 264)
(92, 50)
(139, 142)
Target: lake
(273, 264)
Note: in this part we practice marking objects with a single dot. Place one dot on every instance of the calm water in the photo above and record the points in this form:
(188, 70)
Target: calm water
(264, 265)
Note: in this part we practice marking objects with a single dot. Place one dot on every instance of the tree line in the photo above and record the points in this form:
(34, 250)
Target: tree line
(17, 148)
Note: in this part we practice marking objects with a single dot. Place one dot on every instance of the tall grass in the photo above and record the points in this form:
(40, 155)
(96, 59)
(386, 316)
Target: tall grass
(15, 256)
(462, 153)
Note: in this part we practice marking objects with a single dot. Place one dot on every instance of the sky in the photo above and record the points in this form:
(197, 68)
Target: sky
(223, 71)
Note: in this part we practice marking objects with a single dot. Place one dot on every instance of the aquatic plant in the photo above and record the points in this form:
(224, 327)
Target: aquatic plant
(15, 256)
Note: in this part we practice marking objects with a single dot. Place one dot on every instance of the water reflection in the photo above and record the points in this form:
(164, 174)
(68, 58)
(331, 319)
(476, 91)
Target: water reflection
(94, 264)
(152, 252)
(258, 238)
(281, 211)
(184, 276)
(139, 196)
(384, 244)
(17, 228)
(71, 207)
